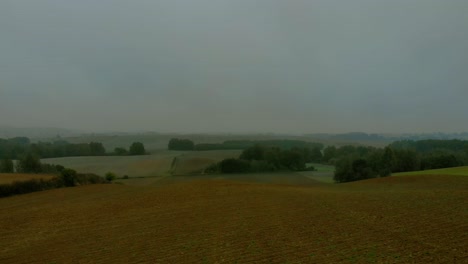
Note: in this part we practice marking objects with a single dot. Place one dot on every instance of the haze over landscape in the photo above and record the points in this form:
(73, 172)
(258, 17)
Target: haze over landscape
(235, 66)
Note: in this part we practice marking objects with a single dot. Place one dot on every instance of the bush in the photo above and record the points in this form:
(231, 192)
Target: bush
(120, 151)
(7, 166)
(261, 166)
(310, 168)
(110, 176)
(88, 178)
(137, 148)
(68, 177)
(234, 166)
(213, 168)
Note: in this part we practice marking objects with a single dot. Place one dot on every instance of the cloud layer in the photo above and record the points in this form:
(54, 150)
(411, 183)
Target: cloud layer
(235, 66)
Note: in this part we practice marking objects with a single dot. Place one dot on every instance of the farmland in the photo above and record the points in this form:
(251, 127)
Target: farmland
(408, 219)
(6, 178)
(159, 163)
(462, 171)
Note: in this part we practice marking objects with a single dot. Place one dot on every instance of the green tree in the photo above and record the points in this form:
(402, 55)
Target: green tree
(97, 149)
(329, 154)
(388, 162)
(30, 164)
(292, 159)
(68, 177)
(180, 144)
(120, 151)
(7, 166)
(234, 166)
(110, 176)
(255, 152)
(137, 148)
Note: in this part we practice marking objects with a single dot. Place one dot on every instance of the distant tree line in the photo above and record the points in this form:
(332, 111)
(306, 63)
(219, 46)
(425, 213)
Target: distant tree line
(17, 148)
(357, 163)
(64, 178)
(259, 158)
(180, 144)
(187, 144)
(352, 163)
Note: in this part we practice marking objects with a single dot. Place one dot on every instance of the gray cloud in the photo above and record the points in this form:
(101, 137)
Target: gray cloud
(235, 66)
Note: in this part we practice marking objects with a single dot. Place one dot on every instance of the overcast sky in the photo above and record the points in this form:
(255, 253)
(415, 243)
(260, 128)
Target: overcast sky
(295, 66)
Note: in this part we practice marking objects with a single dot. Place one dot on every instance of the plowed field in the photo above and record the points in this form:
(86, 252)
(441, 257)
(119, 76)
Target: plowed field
(411, 219)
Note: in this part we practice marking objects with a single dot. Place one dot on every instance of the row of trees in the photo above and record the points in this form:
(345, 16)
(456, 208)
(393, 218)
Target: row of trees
(187, 144)
(357, 163)
(181, 144)
(29, 163)
(16, 148)
(137, 148)
(352, 162)
(65, 178)
(260, 158)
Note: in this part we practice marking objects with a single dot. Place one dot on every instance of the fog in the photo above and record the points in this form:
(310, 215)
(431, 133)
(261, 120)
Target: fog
(239, 66)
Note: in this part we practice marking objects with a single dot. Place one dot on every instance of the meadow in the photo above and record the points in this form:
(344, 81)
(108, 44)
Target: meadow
(461, 171)
(159, 163)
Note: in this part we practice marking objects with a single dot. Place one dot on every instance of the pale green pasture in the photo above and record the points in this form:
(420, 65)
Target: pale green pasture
(460, 171)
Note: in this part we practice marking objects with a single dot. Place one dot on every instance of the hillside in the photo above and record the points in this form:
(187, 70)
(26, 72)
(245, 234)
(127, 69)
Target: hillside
(462, 171)
(219, 221)
(160, 163)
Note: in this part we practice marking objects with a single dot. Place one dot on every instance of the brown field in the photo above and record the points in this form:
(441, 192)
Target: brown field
(6, 178)
(413, 219)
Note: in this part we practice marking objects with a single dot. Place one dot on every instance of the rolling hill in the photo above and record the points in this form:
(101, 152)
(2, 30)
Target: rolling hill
(411, 219)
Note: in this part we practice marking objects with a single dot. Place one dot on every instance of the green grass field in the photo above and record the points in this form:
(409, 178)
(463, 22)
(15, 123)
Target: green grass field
(323, 173)
(458, 171)
(158, 164)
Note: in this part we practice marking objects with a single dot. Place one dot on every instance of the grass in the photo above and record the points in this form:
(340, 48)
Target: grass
(323, 173)
(459, 171)
(385, 220)
(158, 164)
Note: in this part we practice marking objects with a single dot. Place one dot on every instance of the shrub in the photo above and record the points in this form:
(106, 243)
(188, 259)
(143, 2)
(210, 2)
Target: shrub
(110, 176)
(234, 166)
(68, 177)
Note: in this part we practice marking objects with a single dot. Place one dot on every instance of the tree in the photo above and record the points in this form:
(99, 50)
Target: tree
(388, 162)
(315, 155)
(68, 177)
(29, 164)
(329, 154)
(292, 159)
(137, 148)
(180, 144)
(120, 151)
(97, 149)
(110, 176)
(353, 168)
(234, 166)
(7, 166)
(255, 152)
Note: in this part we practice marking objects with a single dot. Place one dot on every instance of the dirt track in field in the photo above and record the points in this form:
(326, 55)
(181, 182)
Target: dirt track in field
(217, 221)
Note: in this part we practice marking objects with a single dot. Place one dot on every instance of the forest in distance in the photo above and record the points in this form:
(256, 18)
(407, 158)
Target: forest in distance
(351, 162)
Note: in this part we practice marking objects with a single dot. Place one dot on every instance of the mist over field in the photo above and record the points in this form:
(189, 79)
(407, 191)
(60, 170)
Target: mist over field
(238, 66)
